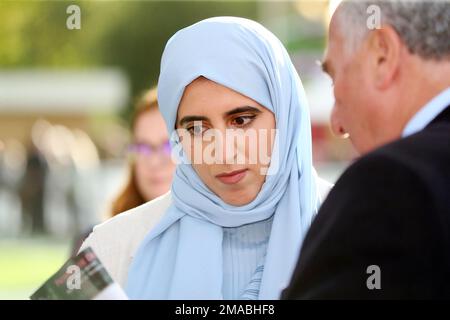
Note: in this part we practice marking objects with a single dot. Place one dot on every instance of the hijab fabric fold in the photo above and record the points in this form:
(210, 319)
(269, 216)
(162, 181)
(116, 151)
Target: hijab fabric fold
(181, 258)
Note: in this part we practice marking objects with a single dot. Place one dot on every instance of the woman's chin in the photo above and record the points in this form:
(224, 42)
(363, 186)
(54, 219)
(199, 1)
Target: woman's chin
(238, 198)
(156, 191)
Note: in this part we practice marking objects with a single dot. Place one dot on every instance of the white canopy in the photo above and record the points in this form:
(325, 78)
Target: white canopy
(62, 91)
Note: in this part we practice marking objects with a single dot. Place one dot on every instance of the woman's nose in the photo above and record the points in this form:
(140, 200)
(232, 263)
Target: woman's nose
(227, 146)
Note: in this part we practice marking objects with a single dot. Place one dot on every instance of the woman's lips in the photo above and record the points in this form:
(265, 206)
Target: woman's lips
(232, 177)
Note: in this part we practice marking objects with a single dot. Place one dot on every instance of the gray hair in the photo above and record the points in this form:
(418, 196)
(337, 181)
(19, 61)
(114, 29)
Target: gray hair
(424, 26)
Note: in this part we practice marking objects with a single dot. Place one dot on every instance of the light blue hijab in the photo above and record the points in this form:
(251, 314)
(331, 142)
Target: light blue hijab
(181, 257)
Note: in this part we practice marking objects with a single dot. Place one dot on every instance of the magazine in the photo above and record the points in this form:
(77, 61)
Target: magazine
(82, 277)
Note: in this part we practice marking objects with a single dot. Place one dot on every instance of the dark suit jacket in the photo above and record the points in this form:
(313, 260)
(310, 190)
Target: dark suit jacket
(391, 209)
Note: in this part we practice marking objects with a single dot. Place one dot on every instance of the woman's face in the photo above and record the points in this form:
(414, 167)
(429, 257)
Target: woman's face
(154, 168)
(228, 165)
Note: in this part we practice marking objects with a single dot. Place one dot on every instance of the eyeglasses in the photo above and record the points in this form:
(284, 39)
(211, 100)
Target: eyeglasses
(146, 150)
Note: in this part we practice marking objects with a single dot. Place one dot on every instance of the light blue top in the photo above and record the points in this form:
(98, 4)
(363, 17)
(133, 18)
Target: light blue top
(182, 257)
(244, 249)
(427, 113)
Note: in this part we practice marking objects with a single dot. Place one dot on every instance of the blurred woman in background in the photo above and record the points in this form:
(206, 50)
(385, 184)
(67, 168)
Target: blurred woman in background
(150, 167)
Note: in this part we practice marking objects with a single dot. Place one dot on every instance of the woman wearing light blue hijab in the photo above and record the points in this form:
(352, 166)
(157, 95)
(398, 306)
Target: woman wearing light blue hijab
(230, 232)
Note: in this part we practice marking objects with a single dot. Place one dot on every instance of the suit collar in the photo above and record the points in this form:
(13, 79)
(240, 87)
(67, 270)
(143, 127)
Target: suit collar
(444, 116)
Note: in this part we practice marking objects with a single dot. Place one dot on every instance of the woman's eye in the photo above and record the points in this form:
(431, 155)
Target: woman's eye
(195, 130)
(242, 120)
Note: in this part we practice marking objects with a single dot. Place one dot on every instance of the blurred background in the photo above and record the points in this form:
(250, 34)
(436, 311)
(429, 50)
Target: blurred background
(66, 102)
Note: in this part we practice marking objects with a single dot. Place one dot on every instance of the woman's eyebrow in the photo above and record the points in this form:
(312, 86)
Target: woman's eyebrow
(191, 119)
(241, 110)
(226, 114)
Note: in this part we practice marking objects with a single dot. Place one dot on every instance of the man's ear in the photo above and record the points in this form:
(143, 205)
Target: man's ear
(385, 47)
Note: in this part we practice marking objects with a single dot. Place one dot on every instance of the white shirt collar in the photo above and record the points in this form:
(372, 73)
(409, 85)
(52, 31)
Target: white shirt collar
(427, 113)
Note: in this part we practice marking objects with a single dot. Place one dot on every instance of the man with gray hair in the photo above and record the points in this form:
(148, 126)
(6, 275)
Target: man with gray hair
(384, 230)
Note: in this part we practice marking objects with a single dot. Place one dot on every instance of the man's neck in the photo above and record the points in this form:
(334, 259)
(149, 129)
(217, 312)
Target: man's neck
(427, 80)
